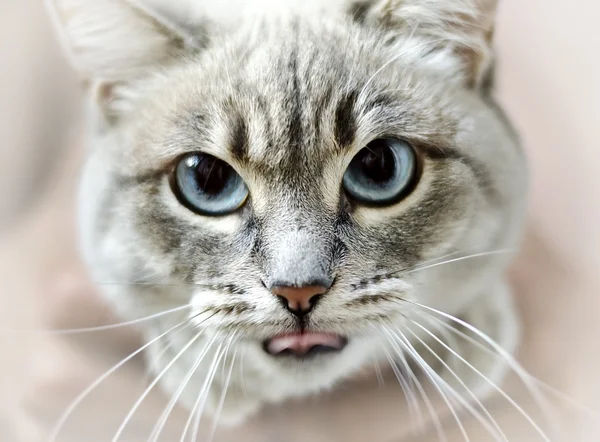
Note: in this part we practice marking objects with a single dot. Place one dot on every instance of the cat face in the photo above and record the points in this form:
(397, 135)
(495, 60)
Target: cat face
(292, 174)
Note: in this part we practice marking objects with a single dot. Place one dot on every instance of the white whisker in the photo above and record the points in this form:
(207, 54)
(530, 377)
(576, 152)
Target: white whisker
(151, 386)
(429, 261)
(203, 394)
(496, 430)
(461, 258)
(436, 261)
(410, 398)
(169, 408)
(513, 363)
(542, 384)
(413, 380)
(444, 256)
(378, 374)
(242, 378)
(215, 424)
(569, 400)
(75, 403)
(447, 336)
(434, 416)
(151, 284)
(201, 409)
(108, 327)
(434, 378)
(158, 359)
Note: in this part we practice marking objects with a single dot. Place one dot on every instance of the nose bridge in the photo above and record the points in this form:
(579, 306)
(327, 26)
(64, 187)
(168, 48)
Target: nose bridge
(299, 253)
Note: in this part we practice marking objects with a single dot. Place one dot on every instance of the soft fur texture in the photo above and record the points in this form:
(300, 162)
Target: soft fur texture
(288, 95)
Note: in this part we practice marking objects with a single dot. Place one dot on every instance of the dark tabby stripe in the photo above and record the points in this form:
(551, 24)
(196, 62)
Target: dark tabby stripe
(295, 99)
(345, 121)
(359, 11)
(239, 139)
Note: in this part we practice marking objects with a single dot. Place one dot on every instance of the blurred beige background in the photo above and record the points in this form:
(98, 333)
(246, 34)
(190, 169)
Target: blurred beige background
(549, 82)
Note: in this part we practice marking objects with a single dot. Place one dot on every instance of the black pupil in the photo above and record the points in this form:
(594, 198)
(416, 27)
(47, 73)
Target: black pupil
(377, 162)
(212, 175)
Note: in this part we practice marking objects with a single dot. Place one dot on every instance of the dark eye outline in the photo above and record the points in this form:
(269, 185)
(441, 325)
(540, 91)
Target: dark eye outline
(404, 192)
(184, 201)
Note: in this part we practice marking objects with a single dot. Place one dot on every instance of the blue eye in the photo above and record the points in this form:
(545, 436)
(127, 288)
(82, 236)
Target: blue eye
(382, 173)
(208, 186)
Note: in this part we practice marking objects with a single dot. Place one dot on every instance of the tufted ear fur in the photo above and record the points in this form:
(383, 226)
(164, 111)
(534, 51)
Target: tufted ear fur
(462, 29)
(113, 42)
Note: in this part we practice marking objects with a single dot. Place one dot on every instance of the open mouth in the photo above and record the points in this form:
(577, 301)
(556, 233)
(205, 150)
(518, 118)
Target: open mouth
(303, 344)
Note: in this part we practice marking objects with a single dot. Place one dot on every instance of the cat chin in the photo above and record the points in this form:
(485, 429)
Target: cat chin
(240, 408)
(266, 380)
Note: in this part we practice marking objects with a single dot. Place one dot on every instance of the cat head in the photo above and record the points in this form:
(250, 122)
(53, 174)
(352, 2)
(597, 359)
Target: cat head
(293, 169)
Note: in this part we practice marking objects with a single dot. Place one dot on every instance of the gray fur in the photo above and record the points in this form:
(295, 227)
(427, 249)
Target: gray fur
(288, 101)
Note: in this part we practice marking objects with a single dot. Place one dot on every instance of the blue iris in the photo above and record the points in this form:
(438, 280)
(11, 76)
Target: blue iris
(209, 186)
(382, 173)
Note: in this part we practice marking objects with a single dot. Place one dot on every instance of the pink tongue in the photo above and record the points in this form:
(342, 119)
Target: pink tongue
(302, 343)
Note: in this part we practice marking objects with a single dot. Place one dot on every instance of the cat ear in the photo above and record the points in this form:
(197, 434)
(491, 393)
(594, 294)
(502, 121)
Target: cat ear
(111, 42)
(462, 29)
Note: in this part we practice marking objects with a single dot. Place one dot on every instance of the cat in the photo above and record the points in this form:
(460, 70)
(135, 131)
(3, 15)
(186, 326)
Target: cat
(301, 186)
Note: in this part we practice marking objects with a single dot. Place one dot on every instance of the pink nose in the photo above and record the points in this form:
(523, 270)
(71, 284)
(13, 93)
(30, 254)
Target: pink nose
(299, 300)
